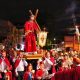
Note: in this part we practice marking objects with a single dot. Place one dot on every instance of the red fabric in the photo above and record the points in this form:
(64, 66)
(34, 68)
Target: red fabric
(68, 74)
(0, 61)
(53, 78)
(73, 66)
(15, 66)
(9, 74)
(16, 63)
(53, 61)
(60, 69)
(77, 73)
(25, 76)
(7, 63)
(30, 39)
(59, 75)
(65, 75)
(39, 73)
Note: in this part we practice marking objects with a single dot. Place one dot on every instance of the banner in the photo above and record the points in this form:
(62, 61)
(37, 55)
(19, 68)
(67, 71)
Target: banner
(42, 38)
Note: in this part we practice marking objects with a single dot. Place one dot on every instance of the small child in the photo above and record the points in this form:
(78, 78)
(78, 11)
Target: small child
(8, 74)
(41, 73)
(29, 73)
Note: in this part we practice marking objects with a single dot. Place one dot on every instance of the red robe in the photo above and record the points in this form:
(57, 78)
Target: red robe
(39, 73)
(15, 66)
(65, 75)
(30, 39)
(68, 74)
(53, 67)
(61, 69)
(59, 75)
(25, 76)
(77, 73)
(9, 73)
(28, 76)
(9, 66)
(16, 63)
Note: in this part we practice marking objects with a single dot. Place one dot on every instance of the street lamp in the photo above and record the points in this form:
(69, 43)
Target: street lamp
(55, 45)
(54, 39)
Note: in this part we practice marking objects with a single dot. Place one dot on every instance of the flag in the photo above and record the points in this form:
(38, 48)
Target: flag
(42, 38)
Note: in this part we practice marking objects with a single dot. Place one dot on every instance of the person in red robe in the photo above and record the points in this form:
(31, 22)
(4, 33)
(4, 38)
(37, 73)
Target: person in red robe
(29, 73)
(76, 68)
(30, 39)
(19, 66)
(8, 74)
(4, 63)
(49, 63)
(41, 73)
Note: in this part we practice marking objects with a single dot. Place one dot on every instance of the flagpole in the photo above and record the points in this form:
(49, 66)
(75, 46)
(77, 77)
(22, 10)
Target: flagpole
(77, 30)
(78, 35)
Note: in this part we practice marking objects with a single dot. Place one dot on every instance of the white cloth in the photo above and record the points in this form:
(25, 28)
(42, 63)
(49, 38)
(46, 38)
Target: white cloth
(45, 75)
(21, 65)
(14, 59)
(47, 63)
(67, 63)
(3, 66)
(38, 66)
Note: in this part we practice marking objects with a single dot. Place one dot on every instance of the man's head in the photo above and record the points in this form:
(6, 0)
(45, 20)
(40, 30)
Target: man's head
(47, 54)
(3, 54)
(29, 67)
(21, 55)
(41, 65)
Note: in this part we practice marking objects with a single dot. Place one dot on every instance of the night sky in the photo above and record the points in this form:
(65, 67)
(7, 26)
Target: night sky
(56, 15)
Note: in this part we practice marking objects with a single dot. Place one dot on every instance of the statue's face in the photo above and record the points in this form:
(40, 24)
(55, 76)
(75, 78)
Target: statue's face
(32, 17)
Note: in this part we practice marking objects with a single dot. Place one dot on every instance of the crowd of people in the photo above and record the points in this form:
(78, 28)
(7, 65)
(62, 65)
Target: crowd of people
(54, 65)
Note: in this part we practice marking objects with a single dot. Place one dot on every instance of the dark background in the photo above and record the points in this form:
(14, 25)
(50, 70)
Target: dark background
(56, 15)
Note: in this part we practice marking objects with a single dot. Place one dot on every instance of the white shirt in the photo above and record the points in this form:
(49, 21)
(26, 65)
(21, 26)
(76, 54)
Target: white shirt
(21, 65)
(38, 66)
(3, 66)
(47, 63)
